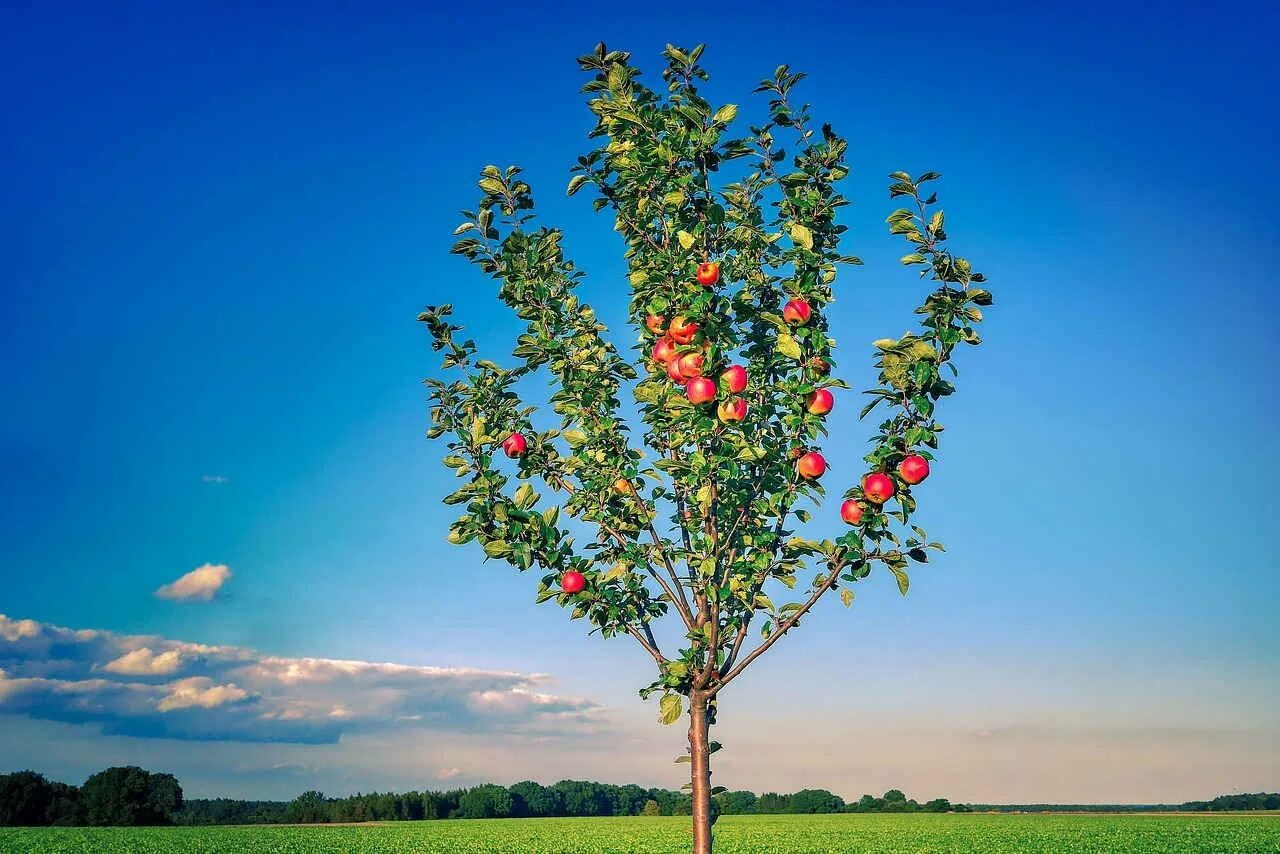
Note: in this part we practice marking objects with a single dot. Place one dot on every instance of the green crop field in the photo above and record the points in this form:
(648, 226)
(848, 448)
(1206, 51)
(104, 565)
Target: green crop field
(885, 834)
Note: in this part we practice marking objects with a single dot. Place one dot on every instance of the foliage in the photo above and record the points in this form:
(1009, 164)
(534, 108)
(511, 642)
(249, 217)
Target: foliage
(735, 834)
(130, 796)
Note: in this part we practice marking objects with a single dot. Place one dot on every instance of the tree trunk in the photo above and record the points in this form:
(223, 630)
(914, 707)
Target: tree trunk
(700, 775)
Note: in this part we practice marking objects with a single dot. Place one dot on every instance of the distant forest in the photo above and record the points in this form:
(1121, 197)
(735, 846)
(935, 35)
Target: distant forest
(132, 796)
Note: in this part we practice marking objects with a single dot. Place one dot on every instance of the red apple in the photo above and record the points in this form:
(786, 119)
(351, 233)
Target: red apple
(690, 365)
(573, 581)
(878, 487)
(682, 330)
(820, 402)
(673, 372)
(733, 409)
(851, 512)
(664, 351)
(700, 390)
(708, 273)
(514, 445)
(914, 468)
(797, 312)
(734, 379)
(655, 323)
(811, 465)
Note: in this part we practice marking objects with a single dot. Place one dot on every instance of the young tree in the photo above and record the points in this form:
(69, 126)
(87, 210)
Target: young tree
(732, 246)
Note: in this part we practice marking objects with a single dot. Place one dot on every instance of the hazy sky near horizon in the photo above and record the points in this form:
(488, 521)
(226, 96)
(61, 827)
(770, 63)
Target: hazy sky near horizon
(220, 224)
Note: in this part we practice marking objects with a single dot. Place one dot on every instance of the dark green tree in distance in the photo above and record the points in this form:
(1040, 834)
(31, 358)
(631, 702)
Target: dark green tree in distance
(732, 243)
(129, 797)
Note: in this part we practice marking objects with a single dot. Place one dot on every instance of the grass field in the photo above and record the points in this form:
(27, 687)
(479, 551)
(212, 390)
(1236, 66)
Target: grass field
(884, 834)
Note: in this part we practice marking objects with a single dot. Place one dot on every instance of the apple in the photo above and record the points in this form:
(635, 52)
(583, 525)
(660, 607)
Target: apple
(690, 365)
(656, 323)
(819, 366)
(708, 273)
(797, 312)
(673, 372)
(734, 379)
(573, 581)
(514, 445)
(682, 330)
(733, 409)
(851, 512)
(820, 402)
(664, 351)
(914, 468)
(878, 487)
(811, 465)
(622, 486)
(700, 390)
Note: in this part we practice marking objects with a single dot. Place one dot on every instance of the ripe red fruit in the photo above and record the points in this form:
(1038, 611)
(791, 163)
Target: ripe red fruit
(700, 390)
(820, 402)
(514, 445)
(708, 273)
(878, 487)
(811, 465)
(851, 512)
(573, 581)
(734, 379)
(664, 351)
(673, 372)
(734, 409)
(797, 312)
(690, 365)
(655, 323)
(682, 330)
(914, 468)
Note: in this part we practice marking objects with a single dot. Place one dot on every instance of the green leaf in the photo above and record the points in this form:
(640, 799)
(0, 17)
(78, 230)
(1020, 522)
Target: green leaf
(674, 199)
(801, 235)
(492, 186)
(725, 114)
(576, 183)
(904, 582)
(497, 548)
(846, 596)
(685, 238)
(789, 346)
(669, 708)
(574, 437)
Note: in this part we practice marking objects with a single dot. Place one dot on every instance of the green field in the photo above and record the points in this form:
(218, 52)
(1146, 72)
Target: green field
(884, 834)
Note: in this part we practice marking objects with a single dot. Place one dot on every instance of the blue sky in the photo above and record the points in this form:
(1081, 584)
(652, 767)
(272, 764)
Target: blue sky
(219, 226)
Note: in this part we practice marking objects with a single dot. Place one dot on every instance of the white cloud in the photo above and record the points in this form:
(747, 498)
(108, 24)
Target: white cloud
(215, 478)
(143, 662)
(199, 692)
(238, 694)
(448, 773)
(200, 584)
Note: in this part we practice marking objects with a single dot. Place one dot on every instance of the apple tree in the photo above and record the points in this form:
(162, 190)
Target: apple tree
(732, 243)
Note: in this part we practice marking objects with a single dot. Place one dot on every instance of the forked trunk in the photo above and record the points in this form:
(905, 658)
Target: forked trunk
(700, 775)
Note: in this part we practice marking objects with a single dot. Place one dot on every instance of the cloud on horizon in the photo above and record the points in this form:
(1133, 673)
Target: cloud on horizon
(152, 687)
(198, 585)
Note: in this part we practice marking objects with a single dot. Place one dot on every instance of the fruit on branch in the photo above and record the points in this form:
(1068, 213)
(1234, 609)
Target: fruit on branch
(622, 486)
(664, 351)
(733, 409)
(851, 512)
(673, 372)
(811, 465)
(797, 312)
(682, 330)
(514, 445)
(914, 468)
(573, 581)
(690, 365)
(708, 273)
(820, 402)
(734, 379)
(878, 487)
(656, 323)
(700, 390)
(819, 366)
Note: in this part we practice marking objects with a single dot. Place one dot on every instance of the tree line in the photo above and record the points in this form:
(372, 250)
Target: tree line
(131, 796)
